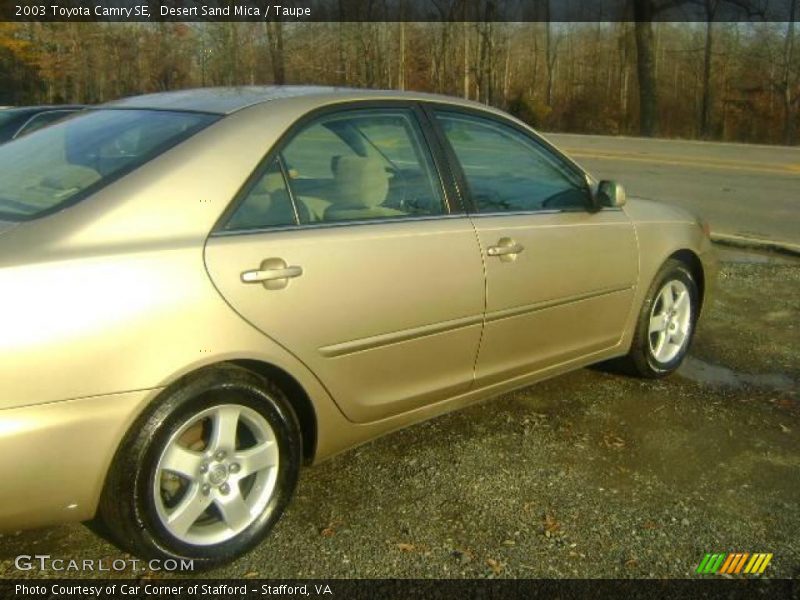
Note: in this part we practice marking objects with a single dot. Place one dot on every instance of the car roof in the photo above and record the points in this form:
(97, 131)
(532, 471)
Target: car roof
(30, 110)
(227, 100)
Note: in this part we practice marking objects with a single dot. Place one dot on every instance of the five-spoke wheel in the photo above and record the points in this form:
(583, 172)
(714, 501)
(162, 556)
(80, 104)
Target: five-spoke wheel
(670, 321)
(666, 322)
(216, 474)
(206, 472)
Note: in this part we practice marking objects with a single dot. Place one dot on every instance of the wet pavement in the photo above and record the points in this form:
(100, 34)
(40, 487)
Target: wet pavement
(591, 474)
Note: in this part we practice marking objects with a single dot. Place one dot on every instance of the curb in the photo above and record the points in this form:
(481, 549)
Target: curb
(739, 241)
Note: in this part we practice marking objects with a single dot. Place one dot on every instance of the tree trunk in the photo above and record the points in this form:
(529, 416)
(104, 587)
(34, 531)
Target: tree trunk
(401, 75)
(705, 106)
(551, 48)
(788, 51)
(645, 67)
(507, 75)
(342, 68)
(466, 62)
(275, 35)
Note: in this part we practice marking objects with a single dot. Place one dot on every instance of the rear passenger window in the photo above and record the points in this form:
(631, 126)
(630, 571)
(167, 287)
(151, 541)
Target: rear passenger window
(362, 165)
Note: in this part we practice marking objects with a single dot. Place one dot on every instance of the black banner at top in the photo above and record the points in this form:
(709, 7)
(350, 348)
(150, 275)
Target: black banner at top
(398, 10)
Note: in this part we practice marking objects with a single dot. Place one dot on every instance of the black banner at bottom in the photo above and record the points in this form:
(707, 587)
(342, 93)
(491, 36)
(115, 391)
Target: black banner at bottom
(74, 589)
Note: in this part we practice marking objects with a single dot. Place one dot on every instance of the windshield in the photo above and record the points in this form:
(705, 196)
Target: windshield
(61, 164)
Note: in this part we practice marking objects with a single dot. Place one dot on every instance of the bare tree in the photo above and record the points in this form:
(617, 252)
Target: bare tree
(551, 50)
(275, 38)
(643, 11)
(585, 81)
(710, 8)
(788, 79)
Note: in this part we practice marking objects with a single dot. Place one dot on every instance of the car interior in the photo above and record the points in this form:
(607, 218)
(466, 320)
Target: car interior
(84, 152)
(341, 170)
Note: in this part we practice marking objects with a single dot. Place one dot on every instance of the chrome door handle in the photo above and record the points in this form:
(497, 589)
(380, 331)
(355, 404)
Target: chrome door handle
(271, 274)
(505, 247)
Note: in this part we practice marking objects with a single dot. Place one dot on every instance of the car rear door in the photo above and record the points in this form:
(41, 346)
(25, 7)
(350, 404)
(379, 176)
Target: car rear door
(560, 276)
(345, 248)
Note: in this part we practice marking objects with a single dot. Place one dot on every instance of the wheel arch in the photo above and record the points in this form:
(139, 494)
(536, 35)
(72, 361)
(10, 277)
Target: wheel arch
(295, 392)
(297, 396)
(695, 266)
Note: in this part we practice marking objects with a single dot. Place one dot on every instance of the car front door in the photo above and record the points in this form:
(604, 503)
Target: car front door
(345, 249)
(560, 275)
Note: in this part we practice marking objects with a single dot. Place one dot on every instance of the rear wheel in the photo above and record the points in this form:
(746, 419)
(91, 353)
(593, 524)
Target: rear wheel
(666, 323)
(206, 472)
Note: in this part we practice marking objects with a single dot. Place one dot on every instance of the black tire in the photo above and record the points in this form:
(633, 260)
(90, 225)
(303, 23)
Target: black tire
(128, 514)
(641, 360)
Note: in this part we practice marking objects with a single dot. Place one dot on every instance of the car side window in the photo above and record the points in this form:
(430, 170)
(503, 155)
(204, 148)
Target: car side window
(507, 171)
(266, 204)
(361, 165)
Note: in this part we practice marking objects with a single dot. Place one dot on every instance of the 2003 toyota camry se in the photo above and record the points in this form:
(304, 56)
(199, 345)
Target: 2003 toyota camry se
(201, 291)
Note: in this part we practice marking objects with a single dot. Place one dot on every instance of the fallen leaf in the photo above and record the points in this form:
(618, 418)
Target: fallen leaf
(650, 525)
(550, 524)
(631, 562)
(495, 566)
(406, 547)
(251, 574)
(330, 529)
(784, 428)
(463, 555)
(611, 440)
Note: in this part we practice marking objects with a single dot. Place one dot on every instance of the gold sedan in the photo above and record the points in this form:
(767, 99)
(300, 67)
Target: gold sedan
(201, 291)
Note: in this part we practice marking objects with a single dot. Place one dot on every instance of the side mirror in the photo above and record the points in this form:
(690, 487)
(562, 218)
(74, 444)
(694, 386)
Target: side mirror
(610, 194)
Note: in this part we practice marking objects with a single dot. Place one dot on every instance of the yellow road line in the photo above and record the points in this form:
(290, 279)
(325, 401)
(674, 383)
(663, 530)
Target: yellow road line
(700, 163)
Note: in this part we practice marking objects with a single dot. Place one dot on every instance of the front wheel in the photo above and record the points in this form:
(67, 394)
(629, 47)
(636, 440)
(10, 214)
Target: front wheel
(207, 472)
(666, 322)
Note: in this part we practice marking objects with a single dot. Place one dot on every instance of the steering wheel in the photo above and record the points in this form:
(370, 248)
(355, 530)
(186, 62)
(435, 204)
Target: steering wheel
(564, 196)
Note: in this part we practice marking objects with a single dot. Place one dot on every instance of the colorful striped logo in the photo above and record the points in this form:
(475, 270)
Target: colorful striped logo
(734, 563)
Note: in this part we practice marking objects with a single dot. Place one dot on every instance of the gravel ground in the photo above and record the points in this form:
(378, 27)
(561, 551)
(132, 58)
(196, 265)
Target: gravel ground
(588, 475)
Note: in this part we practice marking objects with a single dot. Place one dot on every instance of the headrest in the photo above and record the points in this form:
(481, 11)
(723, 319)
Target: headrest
(271, 182)
(361, 182)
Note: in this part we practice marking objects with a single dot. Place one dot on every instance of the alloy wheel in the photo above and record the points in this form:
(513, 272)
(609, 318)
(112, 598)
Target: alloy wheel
(670, 321)
(216, 474)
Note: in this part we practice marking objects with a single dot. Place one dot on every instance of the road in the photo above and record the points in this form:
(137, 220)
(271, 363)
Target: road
(742, 190)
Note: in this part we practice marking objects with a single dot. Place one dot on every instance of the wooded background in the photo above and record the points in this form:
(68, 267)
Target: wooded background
(721, 81)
